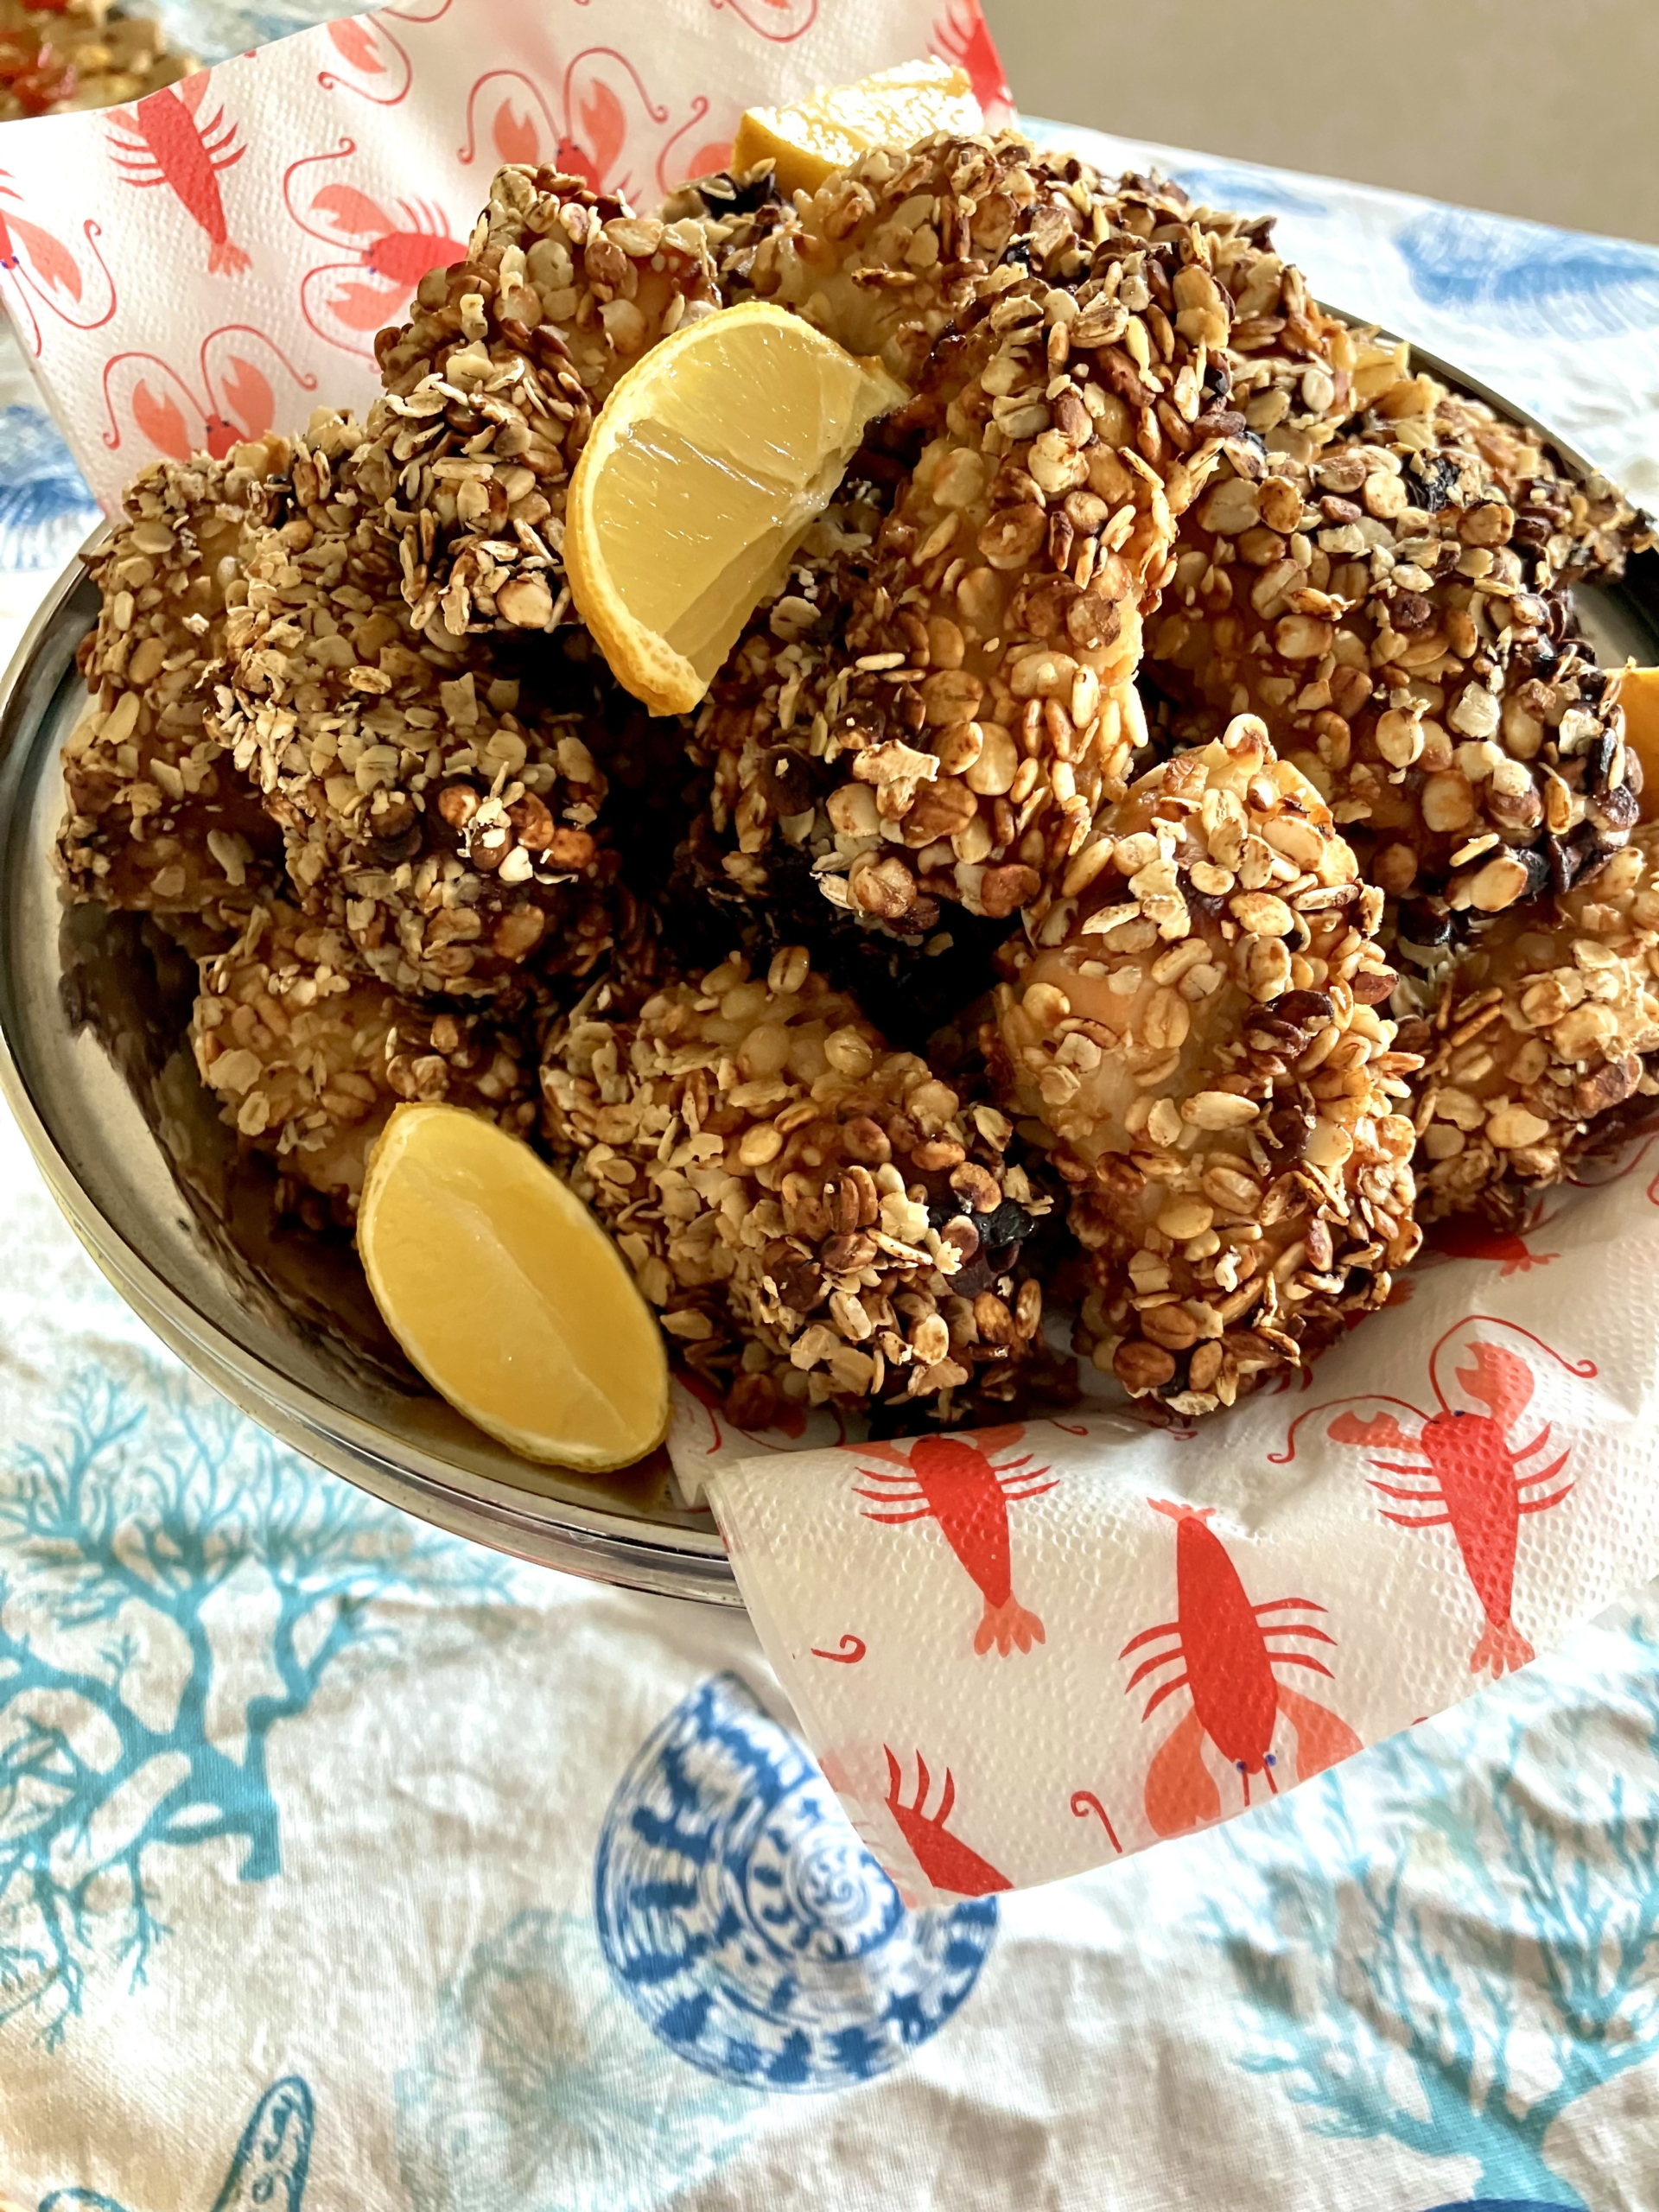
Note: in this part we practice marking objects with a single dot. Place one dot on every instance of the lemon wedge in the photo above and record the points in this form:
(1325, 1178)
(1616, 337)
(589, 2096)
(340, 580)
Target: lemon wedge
(507, 1294)
(1638, 694)
(833, 127)
(707, 464)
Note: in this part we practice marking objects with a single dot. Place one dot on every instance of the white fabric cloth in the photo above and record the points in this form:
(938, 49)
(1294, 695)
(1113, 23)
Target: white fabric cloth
(342, 1864)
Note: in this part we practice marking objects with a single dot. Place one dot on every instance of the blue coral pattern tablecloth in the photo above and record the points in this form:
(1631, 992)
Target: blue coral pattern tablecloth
(344, 1864)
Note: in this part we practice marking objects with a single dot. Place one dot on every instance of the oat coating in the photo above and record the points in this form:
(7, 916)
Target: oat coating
(816, 1218)
(492, 385)
(450, 835)
(156, 820)
(1548, 1024)
(941, 720)
(1414, 655)
(1203, 1048)
(307, 1055)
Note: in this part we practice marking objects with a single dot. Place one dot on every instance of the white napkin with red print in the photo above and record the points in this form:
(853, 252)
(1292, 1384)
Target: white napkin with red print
(1019, 1653)
(213, 262)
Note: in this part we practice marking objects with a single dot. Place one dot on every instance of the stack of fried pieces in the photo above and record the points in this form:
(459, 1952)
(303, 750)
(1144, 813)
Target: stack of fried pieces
(1166, 845)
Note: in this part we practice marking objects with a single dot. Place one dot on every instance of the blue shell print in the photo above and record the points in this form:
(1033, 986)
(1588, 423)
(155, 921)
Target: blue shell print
(747, 1924)
(1524, 277)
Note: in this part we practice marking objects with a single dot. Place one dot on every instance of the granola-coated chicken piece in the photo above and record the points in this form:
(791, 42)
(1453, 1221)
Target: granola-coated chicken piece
(1202, 1047)
(492, 385)
(1581, 529)
(816, 1218)
(1548, 1024)
(939, 718)
(307, 1055)
(451, 834)
(1411, 650)
(157, 819)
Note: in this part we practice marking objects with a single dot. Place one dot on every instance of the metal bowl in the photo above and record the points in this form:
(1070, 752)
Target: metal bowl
(91, 1020)
(92, 1060)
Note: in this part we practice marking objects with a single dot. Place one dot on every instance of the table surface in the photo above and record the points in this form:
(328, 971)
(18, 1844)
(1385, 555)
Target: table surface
(341, 1863)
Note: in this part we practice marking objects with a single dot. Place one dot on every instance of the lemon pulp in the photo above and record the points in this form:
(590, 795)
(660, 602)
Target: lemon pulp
(1638, 694)
(709, 463)
(832, 127)
(506, 1294)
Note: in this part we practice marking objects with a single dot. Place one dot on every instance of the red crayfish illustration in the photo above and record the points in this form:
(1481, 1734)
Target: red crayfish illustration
(1227, 1658)
(953, 1481)
(359, 41)
(396, 253)
(948, 1863)
(1467, 1236)
(593, 140)
(239, 402)
(40, 265)
(783, 22)
(1465, 1463)
(171, 148)
(963, 35)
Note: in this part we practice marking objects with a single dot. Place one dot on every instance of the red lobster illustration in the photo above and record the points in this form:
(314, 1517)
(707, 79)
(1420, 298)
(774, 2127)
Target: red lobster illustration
(358, 41)
(40, 265)
(1463, 1462)
(239, 403)
(397, 254)
(963, 35)
(1467, 1236)
(784, 20)
(1228, 1660)
(593, 138)
(955, 1483)
(171, 148)
(948, 1863)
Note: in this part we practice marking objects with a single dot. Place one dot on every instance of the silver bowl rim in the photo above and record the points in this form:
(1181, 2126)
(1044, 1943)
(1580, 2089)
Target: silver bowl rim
(583, 1540)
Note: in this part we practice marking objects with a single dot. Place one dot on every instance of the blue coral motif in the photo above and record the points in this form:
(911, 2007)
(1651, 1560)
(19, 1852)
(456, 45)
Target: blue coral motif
(139, 1499)
(1448, 1943)
(45, 507)
(747, 1924)
(1528, 278)
(268, 2171)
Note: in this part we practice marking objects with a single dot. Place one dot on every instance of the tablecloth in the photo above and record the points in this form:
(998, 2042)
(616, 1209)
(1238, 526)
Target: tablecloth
(342, 1864)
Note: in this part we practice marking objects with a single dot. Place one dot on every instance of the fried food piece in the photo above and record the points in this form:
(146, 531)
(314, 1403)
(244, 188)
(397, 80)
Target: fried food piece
(307, 1055)
(942, 719)
(1582, 528)
(492, 385)
(1412, 652)
(1547, 1026)
(1203, 1049)
(816, 1217)
(450, 835)
(1303, 381)
(158, 821)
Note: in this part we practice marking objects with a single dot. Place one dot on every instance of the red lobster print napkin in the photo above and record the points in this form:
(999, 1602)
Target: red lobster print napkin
(1026, 1652)
(214, 261)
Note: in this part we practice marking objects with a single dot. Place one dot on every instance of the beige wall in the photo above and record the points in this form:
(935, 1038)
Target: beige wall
(1519, 105)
